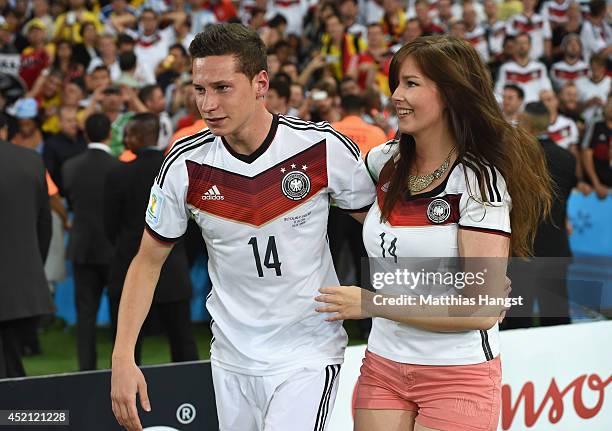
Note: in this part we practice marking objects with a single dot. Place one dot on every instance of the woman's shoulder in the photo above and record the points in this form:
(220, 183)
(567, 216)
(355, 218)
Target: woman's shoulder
(475, 170)
(378, 157)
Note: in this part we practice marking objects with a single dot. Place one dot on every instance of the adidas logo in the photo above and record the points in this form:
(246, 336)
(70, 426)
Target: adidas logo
(213, 194)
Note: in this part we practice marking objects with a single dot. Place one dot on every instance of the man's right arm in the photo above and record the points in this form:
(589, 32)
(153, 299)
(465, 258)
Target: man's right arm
(136, 299)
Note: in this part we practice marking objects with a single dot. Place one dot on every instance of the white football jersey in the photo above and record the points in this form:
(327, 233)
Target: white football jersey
(537, 27)
(532, 78)
(264, 220)
(562, 72)
(426, 226)
(563, 132)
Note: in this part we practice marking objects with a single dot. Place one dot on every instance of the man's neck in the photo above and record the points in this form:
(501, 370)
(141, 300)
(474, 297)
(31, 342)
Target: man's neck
(251, 136)
(522, 61)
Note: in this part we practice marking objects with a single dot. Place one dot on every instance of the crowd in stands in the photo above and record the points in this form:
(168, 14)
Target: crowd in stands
(64, 61)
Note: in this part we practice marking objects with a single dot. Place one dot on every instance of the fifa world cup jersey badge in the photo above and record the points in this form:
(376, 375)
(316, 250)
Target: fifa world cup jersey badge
(295, 183)
(438, 211)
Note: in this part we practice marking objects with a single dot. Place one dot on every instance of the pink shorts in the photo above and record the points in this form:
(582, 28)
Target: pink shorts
(445, 397)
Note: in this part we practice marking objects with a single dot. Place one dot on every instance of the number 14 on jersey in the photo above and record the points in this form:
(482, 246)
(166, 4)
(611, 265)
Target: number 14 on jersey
(270, 258)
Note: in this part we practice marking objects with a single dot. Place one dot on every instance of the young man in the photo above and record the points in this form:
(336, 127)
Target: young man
(530, 75)
(259, 186)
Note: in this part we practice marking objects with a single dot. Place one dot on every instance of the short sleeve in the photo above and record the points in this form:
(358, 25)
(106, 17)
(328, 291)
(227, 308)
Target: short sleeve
(166, 215)
(491, 214)
(377, 158)
(349, 183)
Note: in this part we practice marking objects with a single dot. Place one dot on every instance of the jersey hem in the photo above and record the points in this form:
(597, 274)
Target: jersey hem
(277, 370)
(417, 360)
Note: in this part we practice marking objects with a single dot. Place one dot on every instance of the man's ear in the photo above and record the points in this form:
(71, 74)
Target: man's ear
(261, 81)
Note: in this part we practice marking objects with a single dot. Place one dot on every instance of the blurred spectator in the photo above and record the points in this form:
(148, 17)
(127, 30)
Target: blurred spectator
(393, 21)
(153, 99)
(412, 30)
(40, 11)
(597, 157)
(28, 133)
(88, 248)
(340, 49)
(175, 66)
(65, 61)
(365, 135)
(571, 67)
(428, 26)
(596, 33)
(475, 34)
(184, 106)
(98, 79)
(116, 15)
(349, 12)
(24, 294)
(512, 102)
(107, 57)
(35, 57)
(445, 15)
(152, 42)
(572, 25)
(68, 24)
(322, 103)
(277, 97)
(62, 146)
(561, 130)
(555, 11)
(6, 38)
(547, 277)
(536, 27)
(373, 63)
(593, 89)
(528, 74)
(131, 75)
(201, 16)
(85, 51)
(296, 100)
(569, 105)
(292, 11)
(126, 198)
(495, 29)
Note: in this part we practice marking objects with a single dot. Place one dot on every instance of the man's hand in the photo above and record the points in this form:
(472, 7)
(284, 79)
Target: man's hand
(127, 380)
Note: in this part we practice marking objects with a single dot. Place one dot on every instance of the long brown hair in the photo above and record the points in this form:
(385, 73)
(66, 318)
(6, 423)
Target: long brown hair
(480, 131)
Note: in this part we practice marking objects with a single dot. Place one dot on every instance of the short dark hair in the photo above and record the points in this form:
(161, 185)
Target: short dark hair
(597, 7)
(125, 39)
(98, 68)
(146, 92)
(282, 88)
(180, 47)
(523, 33)
(97, 127)
(147, 125)
(598, 59)
(519, 91)
(352, 104)
(127, 61)
(232, 39)
(537, 109)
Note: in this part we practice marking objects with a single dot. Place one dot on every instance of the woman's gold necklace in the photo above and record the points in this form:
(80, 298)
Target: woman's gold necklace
(416, 183)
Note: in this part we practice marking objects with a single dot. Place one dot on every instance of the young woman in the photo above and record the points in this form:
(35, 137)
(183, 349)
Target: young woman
(443, 190)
